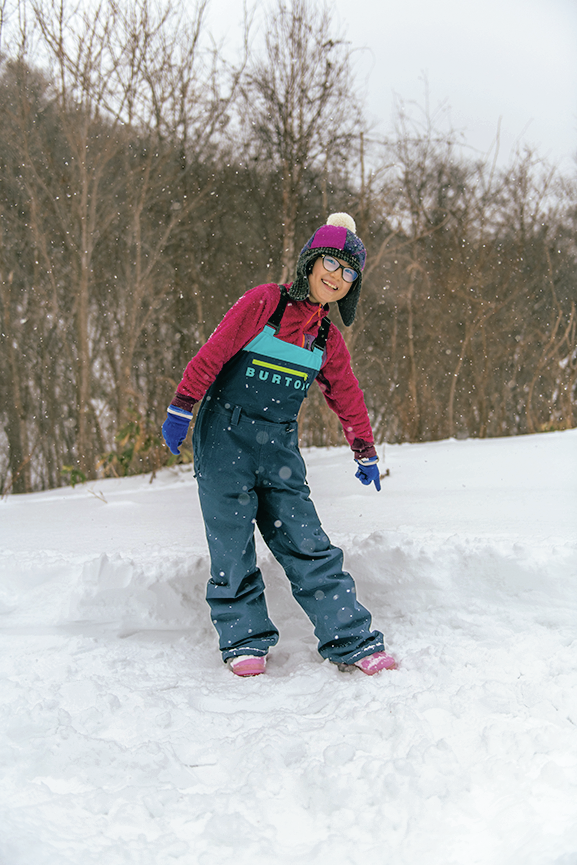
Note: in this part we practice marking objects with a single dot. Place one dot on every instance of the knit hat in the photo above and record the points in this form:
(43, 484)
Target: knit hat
(336, 238)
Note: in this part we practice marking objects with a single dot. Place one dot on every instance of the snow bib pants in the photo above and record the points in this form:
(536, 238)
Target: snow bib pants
(250, 471)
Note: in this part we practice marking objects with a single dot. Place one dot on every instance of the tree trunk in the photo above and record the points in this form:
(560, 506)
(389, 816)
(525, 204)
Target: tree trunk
(19, 458)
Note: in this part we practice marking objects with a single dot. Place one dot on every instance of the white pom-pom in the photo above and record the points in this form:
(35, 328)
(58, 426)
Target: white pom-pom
(343, 220)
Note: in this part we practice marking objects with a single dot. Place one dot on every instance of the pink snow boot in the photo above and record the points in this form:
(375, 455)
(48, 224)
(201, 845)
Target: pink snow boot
(247, 665)
(371, 664)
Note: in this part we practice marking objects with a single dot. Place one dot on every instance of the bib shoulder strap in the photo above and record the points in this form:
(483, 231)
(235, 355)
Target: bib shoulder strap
(323, 334)
(276, 318)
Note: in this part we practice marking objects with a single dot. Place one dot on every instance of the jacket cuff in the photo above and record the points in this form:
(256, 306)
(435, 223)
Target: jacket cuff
(181, 400)
(365, 452)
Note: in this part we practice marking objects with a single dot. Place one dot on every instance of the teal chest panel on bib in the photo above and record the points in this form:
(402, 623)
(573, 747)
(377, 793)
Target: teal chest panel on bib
(266, 343)
(269, 378)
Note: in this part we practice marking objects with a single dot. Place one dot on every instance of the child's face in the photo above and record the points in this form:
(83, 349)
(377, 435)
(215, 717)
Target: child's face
(326, 287)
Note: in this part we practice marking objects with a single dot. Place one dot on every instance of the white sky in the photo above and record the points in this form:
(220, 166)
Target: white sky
(513, 61)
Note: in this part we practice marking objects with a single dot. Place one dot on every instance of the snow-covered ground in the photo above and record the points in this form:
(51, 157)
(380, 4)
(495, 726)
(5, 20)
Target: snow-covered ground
(124, 739)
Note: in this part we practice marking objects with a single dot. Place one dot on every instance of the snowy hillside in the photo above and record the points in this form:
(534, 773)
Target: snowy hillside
(124, 739)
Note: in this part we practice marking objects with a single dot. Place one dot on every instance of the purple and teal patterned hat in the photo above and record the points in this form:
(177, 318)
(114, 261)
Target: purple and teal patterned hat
(336, 238)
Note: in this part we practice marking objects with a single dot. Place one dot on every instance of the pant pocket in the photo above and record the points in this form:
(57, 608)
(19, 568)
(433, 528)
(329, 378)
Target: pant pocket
(200, 435)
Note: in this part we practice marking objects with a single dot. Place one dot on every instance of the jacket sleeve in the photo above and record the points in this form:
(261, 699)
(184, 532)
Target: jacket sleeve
(242, 322)
(344, 396)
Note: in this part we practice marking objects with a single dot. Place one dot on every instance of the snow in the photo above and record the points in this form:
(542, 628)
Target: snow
(126, 740)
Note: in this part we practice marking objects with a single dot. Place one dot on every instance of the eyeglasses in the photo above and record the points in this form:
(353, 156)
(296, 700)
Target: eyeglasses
(332, 265)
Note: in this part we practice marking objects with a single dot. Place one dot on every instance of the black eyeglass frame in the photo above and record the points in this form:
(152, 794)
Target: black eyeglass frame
(345, 268)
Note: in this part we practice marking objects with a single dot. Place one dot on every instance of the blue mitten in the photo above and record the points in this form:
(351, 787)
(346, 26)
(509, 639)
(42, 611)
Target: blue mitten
(175, 427)
(368, 474)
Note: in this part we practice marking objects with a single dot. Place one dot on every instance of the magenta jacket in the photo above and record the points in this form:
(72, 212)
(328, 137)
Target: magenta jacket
(299, 325)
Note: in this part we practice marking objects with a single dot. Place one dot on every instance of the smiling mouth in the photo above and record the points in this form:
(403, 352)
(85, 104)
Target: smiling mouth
(330, 285)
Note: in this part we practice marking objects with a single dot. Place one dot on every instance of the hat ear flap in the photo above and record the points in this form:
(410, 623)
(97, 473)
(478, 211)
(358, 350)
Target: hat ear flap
(299, 290)
(348, 304)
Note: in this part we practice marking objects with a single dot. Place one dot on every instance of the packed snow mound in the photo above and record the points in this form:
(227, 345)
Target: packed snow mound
(125, 739)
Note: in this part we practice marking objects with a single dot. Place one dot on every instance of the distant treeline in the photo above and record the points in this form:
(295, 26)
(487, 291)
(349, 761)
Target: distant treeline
(145, 184)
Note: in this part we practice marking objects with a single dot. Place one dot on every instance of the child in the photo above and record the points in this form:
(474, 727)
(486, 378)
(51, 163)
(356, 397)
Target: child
(252, 376)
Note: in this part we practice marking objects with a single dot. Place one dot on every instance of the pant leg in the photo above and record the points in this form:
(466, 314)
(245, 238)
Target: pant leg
(290, 526)
(235, 592)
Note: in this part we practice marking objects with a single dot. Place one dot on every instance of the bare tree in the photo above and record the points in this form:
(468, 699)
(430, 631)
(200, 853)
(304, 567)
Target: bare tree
(133, 91)
(300, 107)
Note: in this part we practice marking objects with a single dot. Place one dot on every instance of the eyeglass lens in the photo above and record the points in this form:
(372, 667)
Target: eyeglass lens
(331, 264)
